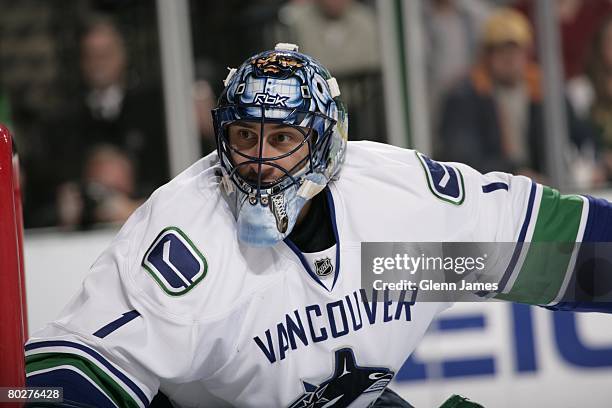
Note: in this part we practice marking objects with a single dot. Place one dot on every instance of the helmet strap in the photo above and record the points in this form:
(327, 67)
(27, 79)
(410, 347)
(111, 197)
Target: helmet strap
(309, 189)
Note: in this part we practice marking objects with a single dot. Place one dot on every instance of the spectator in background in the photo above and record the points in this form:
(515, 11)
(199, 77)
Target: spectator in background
(599, 82)
(105, 193)
(114, 111)
(578, 20)
(493, 119)
(343, 35)
(118, 111)
(452, 29)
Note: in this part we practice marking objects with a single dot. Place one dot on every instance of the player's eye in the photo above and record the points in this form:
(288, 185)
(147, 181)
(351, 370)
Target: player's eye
(286, 141)
(242, 138)
(244, 134)
(284, 138)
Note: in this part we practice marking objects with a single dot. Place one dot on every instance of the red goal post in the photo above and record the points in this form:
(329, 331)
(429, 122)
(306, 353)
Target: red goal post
(13, 314)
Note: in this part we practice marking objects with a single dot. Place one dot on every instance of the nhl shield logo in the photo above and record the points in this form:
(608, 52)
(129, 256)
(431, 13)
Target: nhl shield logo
(323, 267)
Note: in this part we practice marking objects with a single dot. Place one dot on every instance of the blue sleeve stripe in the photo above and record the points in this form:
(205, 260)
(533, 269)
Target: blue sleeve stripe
(598, 229)
(116, 324)
(95, 355)
(527, 220)
(76, 386)
(521, 238)
(489, 188)
(599, 223)
(599, 307)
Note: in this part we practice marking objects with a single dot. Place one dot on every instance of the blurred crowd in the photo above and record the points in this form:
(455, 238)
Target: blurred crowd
(487, 106)
(80, 86)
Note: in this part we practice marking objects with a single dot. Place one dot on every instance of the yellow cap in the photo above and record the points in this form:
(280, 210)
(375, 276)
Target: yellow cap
(507, 26)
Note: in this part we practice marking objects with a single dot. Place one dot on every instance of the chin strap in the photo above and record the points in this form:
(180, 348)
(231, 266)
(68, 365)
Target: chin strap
(226, 182)
(310, 189)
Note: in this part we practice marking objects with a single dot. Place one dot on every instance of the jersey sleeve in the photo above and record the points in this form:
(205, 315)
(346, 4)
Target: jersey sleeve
(109, 348)
(558, 258)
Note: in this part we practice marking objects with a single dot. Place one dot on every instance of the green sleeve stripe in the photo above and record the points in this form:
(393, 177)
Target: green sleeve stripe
(45, 361)
(545, 267)
(559, 217)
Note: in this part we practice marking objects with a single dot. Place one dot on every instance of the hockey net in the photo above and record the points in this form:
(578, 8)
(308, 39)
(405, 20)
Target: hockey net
(13, 318)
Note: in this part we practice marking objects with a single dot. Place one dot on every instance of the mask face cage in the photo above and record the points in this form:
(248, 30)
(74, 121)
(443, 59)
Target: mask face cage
(316, 129)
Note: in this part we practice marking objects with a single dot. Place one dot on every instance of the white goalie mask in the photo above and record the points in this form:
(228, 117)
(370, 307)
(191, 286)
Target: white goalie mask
(281, 133)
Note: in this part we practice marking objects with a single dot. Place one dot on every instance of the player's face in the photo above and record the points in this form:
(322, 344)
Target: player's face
(277, 140)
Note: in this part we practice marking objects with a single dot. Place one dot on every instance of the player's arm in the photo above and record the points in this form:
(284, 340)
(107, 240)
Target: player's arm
(92, 350)
(561, 259)
(110, 347)
(98, 351)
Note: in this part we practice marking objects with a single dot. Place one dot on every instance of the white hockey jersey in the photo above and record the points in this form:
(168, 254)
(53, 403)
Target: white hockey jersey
(177, 303)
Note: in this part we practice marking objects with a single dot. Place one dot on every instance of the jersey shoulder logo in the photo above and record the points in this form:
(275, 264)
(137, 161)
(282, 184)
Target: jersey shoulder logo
(347, 384)
(444, 181)
(174, 262)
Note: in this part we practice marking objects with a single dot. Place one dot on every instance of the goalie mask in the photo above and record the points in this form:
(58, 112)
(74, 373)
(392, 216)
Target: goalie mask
(281, 134)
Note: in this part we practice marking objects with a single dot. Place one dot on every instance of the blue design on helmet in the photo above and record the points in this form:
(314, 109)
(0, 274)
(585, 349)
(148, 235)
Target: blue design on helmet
(280, 86)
